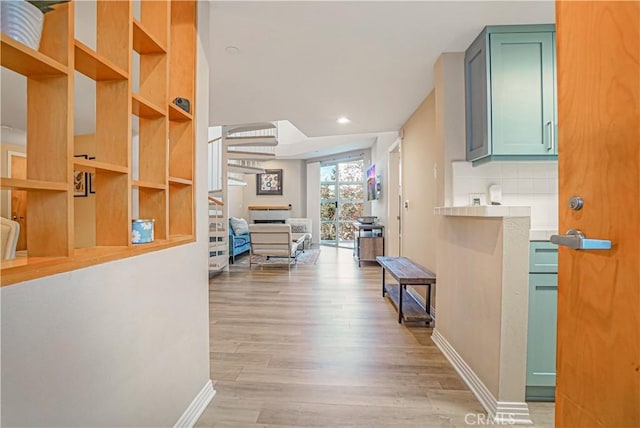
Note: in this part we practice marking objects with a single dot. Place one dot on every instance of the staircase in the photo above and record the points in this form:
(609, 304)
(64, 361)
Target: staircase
(218, 236)
(243, 148)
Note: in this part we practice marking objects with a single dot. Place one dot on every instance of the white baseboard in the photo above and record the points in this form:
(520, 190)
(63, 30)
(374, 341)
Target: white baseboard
(500, 412)
(197, 406)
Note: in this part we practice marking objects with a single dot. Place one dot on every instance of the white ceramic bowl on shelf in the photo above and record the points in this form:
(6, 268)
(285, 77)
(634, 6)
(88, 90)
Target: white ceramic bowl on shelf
(367, 219)
(21, 21)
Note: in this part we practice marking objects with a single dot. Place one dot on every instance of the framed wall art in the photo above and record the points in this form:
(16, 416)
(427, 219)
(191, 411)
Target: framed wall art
(92, 180)
(80, 181)
(269, 182)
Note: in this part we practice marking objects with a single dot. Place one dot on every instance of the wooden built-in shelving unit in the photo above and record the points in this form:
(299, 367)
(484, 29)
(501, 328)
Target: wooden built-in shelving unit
(159, 186)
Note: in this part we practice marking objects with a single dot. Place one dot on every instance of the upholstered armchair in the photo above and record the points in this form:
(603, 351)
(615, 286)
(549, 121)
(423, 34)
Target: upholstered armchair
(9, 237)
(301, 228)
(274, 240)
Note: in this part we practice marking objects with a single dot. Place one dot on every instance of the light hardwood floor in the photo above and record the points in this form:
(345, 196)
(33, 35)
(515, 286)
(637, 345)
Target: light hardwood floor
(319, 346)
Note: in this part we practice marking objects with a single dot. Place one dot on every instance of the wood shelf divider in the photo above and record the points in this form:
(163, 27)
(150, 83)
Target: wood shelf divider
(148, 185)
(22, 184)
(26, 61)
(91, 165)
(26, 268)
(146, 109)
(178, 180)
(144, 42)
(95, 66)
(176, 114)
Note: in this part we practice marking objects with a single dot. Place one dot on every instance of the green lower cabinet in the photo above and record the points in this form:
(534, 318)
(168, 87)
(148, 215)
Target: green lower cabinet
(541, 341)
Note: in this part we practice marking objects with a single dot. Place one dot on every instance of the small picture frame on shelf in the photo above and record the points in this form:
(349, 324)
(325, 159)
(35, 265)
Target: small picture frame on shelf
(269, 182)
(80, 181)
(92, 179)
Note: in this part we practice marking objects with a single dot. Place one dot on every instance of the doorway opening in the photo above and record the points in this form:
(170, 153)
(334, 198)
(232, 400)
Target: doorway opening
(17, 168)
(342, 192)
(394, 206)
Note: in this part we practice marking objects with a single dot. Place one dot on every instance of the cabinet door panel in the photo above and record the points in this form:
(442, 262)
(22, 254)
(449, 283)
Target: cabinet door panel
(522, 93)
(543, 257)
(370, 248)
(476, 100)
(541, 339)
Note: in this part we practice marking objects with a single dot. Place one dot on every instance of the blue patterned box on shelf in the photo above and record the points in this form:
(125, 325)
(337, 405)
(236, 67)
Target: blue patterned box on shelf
(142, 231)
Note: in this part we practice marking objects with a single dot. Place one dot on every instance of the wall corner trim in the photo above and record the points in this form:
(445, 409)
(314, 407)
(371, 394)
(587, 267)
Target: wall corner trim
(500, 412)
(197, 406)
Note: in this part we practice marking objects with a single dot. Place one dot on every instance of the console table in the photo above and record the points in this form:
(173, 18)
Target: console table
(369, 241)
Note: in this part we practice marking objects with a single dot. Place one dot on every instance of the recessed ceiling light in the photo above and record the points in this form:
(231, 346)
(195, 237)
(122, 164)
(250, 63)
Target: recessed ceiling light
(343, 120)
(232, 50)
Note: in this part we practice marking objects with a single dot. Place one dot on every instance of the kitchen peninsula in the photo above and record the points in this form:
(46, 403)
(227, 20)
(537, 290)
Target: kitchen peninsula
(481, 326)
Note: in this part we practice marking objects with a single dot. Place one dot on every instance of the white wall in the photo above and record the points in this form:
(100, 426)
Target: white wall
(533, 184)
(480, 307)
(421, 156)
(294, 176)
(124, 343)
(118, 344)
(235, 200)
(469, 309)
(380, 157)
(450, 117)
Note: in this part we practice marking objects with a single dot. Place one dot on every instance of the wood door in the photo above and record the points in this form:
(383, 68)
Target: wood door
(598, 359)
(19, 199)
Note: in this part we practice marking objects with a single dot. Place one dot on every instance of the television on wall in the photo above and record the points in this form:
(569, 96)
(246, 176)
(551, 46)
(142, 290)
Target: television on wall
(372, 188)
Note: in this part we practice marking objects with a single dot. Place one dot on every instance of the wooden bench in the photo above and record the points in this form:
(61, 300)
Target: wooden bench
(406, 273)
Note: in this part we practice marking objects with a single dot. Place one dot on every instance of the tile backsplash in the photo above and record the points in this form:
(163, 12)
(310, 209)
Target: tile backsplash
(533, 184)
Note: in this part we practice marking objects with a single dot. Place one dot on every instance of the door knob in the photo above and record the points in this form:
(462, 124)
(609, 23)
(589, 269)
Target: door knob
(576, 203)
(575, 239)
(17, 217)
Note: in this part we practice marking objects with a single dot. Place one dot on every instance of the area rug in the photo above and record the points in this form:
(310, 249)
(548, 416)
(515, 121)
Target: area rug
(308, 257)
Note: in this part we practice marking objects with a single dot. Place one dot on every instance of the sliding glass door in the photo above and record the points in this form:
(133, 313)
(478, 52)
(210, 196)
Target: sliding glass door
(342, 190)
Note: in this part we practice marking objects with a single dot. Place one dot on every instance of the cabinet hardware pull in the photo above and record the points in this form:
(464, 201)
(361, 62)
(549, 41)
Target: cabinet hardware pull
(552, 136)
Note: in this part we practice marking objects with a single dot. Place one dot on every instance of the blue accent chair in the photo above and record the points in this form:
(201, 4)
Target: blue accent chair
(238, 244)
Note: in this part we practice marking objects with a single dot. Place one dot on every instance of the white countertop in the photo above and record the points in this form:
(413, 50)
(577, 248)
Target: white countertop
(484, 211)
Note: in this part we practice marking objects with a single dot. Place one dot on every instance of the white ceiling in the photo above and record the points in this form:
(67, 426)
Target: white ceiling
(311, 62)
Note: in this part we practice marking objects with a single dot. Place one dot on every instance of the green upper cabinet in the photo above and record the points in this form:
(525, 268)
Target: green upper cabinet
(510, 76)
